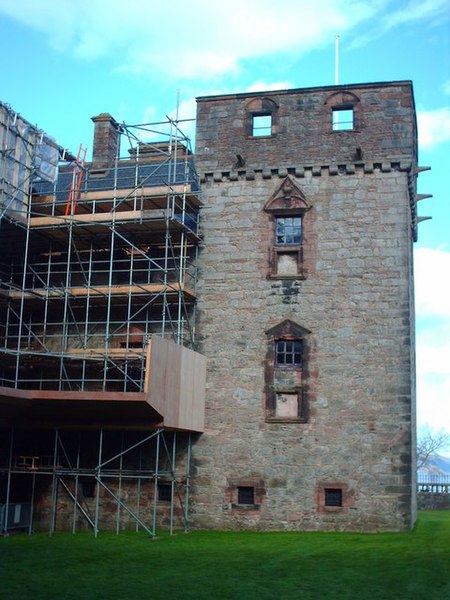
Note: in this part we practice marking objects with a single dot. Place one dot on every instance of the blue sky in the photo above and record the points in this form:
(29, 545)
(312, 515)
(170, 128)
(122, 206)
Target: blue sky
(63, 62)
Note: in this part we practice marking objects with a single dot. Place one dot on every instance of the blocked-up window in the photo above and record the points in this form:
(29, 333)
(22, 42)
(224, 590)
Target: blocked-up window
(287, 405)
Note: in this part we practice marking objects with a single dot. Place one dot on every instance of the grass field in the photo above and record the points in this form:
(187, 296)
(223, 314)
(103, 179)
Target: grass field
(212, 565)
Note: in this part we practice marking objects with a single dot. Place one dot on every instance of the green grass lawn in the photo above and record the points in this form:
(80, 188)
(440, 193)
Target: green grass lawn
(231, 565)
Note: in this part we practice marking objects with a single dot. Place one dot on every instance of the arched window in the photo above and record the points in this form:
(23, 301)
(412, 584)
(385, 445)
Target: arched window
(345, 111)
(261, 118)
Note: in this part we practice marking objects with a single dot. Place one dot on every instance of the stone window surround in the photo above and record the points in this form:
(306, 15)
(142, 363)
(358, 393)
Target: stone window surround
(288, 200)
(344, 100)
(347, 497)
(262, 106)
(289, 331)
(232, 493)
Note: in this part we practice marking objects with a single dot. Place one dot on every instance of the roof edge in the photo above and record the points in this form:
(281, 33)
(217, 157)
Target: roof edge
(404, 82)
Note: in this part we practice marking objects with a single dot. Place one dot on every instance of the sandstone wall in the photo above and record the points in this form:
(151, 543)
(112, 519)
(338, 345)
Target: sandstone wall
(354, 299)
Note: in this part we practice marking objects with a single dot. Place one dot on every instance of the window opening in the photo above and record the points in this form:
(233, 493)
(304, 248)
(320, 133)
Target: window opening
(246, 495)
(333, 497)
(261, 125)
(88, 489)
(165, 492)
(288, 352)
(343, 119)
(131, 345)
(288, 230)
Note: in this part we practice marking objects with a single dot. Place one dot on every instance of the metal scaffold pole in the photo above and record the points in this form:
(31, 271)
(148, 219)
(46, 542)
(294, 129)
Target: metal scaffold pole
(8, 483)
(54, 494)
(155, 485)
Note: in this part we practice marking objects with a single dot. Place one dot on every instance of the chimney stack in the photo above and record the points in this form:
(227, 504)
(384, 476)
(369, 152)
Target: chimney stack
(106, 141)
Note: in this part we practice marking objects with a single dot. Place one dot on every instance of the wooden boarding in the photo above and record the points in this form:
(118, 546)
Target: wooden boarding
(101, 353)
(176, 384)
(100, 291)
(68, 395)
(138, 192)
(107, 198)
(76, 410)
(173, 396)
(109, 217)
(100, 224)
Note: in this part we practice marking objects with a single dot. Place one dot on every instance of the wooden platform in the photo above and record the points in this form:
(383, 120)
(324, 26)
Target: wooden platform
(99, 292)
(173, 397)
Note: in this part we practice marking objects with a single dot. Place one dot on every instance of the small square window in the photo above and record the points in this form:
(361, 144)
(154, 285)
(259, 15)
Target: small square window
(88, 488)
(164, 492)
(288, 230)
(261, 125)
(246, 495)
(333, 497)
(343, 119)
(288, 353)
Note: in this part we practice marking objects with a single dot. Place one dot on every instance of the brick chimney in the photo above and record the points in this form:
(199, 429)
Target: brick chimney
(106, 141)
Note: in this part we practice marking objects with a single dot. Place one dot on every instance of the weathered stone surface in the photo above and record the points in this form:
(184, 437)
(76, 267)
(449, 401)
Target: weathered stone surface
(355, 299)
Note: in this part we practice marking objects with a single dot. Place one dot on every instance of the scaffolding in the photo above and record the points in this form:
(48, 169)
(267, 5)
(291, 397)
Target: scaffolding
(96, 480)
(93, 286)
(93, 265)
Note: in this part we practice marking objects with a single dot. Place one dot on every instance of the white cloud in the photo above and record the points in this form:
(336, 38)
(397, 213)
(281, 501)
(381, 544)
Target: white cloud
(433, 405)
(415, 10)
(260, 86)
(434, 359)
(434, 127)
(197, 39)
(432, 282)
(433, 336)
(391, 14)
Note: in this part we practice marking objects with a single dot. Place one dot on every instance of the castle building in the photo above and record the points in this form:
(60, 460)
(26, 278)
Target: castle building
(220, 343)
(306, 308)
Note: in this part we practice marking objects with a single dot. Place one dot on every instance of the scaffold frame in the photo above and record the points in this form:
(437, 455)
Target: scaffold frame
(108, 260)
(108, 476)
(98, 255)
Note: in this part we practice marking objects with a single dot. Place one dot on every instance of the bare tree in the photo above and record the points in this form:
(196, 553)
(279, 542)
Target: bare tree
(429, 442)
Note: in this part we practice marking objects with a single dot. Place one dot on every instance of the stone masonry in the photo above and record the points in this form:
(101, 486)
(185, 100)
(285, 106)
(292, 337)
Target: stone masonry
(327, 444)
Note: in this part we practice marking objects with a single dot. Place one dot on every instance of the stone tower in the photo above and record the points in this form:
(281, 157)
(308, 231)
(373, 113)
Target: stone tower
(306, 310)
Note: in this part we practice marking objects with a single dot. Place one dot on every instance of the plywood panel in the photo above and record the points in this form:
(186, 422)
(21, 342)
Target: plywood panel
(176, 385)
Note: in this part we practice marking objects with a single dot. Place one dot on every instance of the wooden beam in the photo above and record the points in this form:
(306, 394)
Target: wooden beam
(129, 215)
(100, 291)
